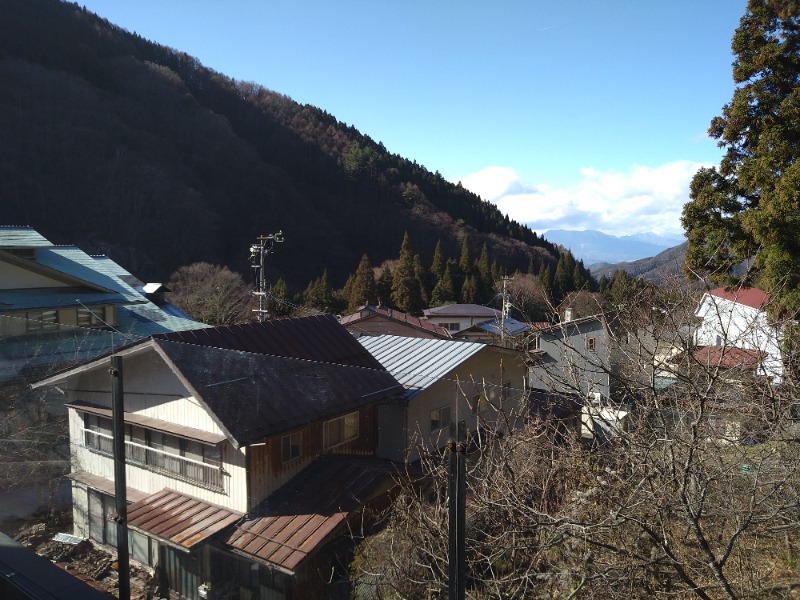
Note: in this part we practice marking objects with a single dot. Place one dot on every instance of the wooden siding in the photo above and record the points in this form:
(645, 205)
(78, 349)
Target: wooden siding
(267, 472)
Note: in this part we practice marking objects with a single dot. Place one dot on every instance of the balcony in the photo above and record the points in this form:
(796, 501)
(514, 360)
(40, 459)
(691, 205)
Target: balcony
(210, 477)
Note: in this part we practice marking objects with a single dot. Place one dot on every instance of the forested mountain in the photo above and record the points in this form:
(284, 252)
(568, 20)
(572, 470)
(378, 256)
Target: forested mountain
(136, 150)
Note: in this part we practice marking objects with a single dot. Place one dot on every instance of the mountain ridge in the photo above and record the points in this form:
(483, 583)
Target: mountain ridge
(126, 147)
(593, 246)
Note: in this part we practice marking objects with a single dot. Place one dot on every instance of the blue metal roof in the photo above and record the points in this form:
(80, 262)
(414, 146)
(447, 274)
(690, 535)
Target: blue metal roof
(418, 363)
(18, 237)
(511, 327)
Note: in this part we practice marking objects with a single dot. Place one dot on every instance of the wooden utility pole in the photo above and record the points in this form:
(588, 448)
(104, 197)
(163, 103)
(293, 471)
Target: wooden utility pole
(121, 518)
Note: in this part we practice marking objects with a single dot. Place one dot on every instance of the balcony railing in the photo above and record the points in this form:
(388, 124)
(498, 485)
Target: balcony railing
(192, 471)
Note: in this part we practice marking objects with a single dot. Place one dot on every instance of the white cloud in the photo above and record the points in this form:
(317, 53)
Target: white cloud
(643, 199)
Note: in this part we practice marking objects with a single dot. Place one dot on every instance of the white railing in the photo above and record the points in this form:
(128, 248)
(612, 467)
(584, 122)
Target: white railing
(159, 461)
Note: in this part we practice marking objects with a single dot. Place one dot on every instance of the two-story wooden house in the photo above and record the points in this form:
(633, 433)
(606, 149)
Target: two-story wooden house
(224, 433)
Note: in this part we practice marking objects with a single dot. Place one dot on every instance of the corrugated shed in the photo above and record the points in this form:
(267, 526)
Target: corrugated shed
(255, 396)
(179, 520)
(318, 338)
(310, 509)
(416, 362)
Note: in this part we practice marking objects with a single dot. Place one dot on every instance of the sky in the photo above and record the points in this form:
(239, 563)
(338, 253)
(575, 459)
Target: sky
(568, 114)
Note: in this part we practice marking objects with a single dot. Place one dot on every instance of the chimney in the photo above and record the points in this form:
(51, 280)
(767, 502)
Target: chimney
(567, 315)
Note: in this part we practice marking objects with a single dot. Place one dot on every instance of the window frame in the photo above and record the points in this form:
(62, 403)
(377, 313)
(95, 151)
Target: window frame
(439, 422)
(291, 447)
(327, 430)
(591, 344)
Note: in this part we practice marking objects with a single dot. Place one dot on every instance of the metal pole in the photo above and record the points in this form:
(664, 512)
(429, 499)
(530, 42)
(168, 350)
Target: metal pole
(457, 545)
(118, 430)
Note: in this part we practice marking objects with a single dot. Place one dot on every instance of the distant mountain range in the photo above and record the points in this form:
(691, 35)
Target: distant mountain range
(597, 247)
(659, 269)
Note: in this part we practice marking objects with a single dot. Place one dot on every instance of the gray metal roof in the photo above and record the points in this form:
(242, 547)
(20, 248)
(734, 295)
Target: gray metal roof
(417, 363)
(463, 310)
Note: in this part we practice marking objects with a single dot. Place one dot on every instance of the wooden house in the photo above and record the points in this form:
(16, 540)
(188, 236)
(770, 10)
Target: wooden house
(221, 426)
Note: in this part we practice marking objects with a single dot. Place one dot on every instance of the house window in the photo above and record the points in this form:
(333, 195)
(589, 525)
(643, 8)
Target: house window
(591, 345)
(340, 430)
(91, 317)
(184, 459)
(450, 326)
(440, 418)
(291, 446)
(42, 320)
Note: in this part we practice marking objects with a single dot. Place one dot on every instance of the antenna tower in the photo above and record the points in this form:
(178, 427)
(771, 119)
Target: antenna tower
(264, 245)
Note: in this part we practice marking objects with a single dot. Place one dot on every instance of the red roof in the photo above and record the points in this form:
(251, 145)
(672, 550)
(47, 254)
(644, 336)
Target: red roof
(310, 509)
(752, 297)
(728, 357)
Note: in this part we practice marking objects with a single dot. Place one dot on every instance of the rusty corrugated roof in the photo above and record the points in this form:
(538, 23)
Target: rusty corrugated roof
(179, 520)
(319, 337)
(310, 509)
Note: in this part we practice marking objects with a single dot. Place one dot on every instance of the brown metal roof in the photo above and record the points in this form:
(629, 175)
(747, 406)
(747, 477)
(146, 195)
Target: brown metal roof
(310, 509)
(255, 396)
(368, 312)
(183, 431)
(319, 338)
(179, 520)
(106, 486)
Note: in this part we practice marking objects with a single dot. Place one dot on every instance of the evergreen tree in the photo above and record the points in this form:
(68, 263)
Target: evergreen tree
(406, 290)
(546, 277)
(364, 289)
(749, 207)
(438, 262)
(424, 277)
(465, 259)
(469, 290)
(278, 303)
(319, 294)
(444, 291)
(562, 279)
(384, 287)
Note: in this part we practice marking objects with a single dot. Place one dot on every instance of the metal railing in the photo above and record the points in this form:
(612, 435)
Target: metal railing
(211, 477)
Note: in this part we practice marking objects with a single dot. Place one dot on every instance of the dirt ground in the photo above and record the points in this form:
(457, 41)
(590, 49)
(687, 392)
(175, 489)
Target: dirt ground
(90, 563)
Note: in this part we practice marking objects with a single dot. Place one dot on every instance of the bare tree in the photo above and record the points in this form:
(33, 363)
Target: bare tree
(211, 294)
(688, 488)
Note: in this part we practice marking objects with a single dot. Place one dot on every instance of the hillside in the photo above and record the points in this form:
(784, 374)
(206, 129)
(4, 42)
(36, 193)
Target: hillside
(658, 269)
(125, 147)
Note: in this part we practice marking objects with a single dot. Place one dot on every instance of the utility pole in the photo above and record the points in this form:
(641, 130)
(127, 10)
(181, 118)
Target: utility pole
(121, 518)
(504, 312)
(264, 245)
(456, 586)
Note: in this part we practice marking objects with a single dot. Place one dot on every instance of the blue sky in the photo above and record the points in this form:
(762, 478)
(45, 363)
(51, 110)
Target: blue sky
(575, 114)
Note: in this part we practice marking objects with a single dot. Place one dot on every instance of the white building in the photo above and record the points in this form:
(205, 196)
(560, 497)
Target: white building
(738, 319)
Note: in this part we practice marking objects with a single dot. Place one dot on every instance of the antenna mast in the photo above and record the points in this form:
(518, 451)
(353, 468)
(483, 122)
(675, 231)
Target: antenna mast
(264, 245)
